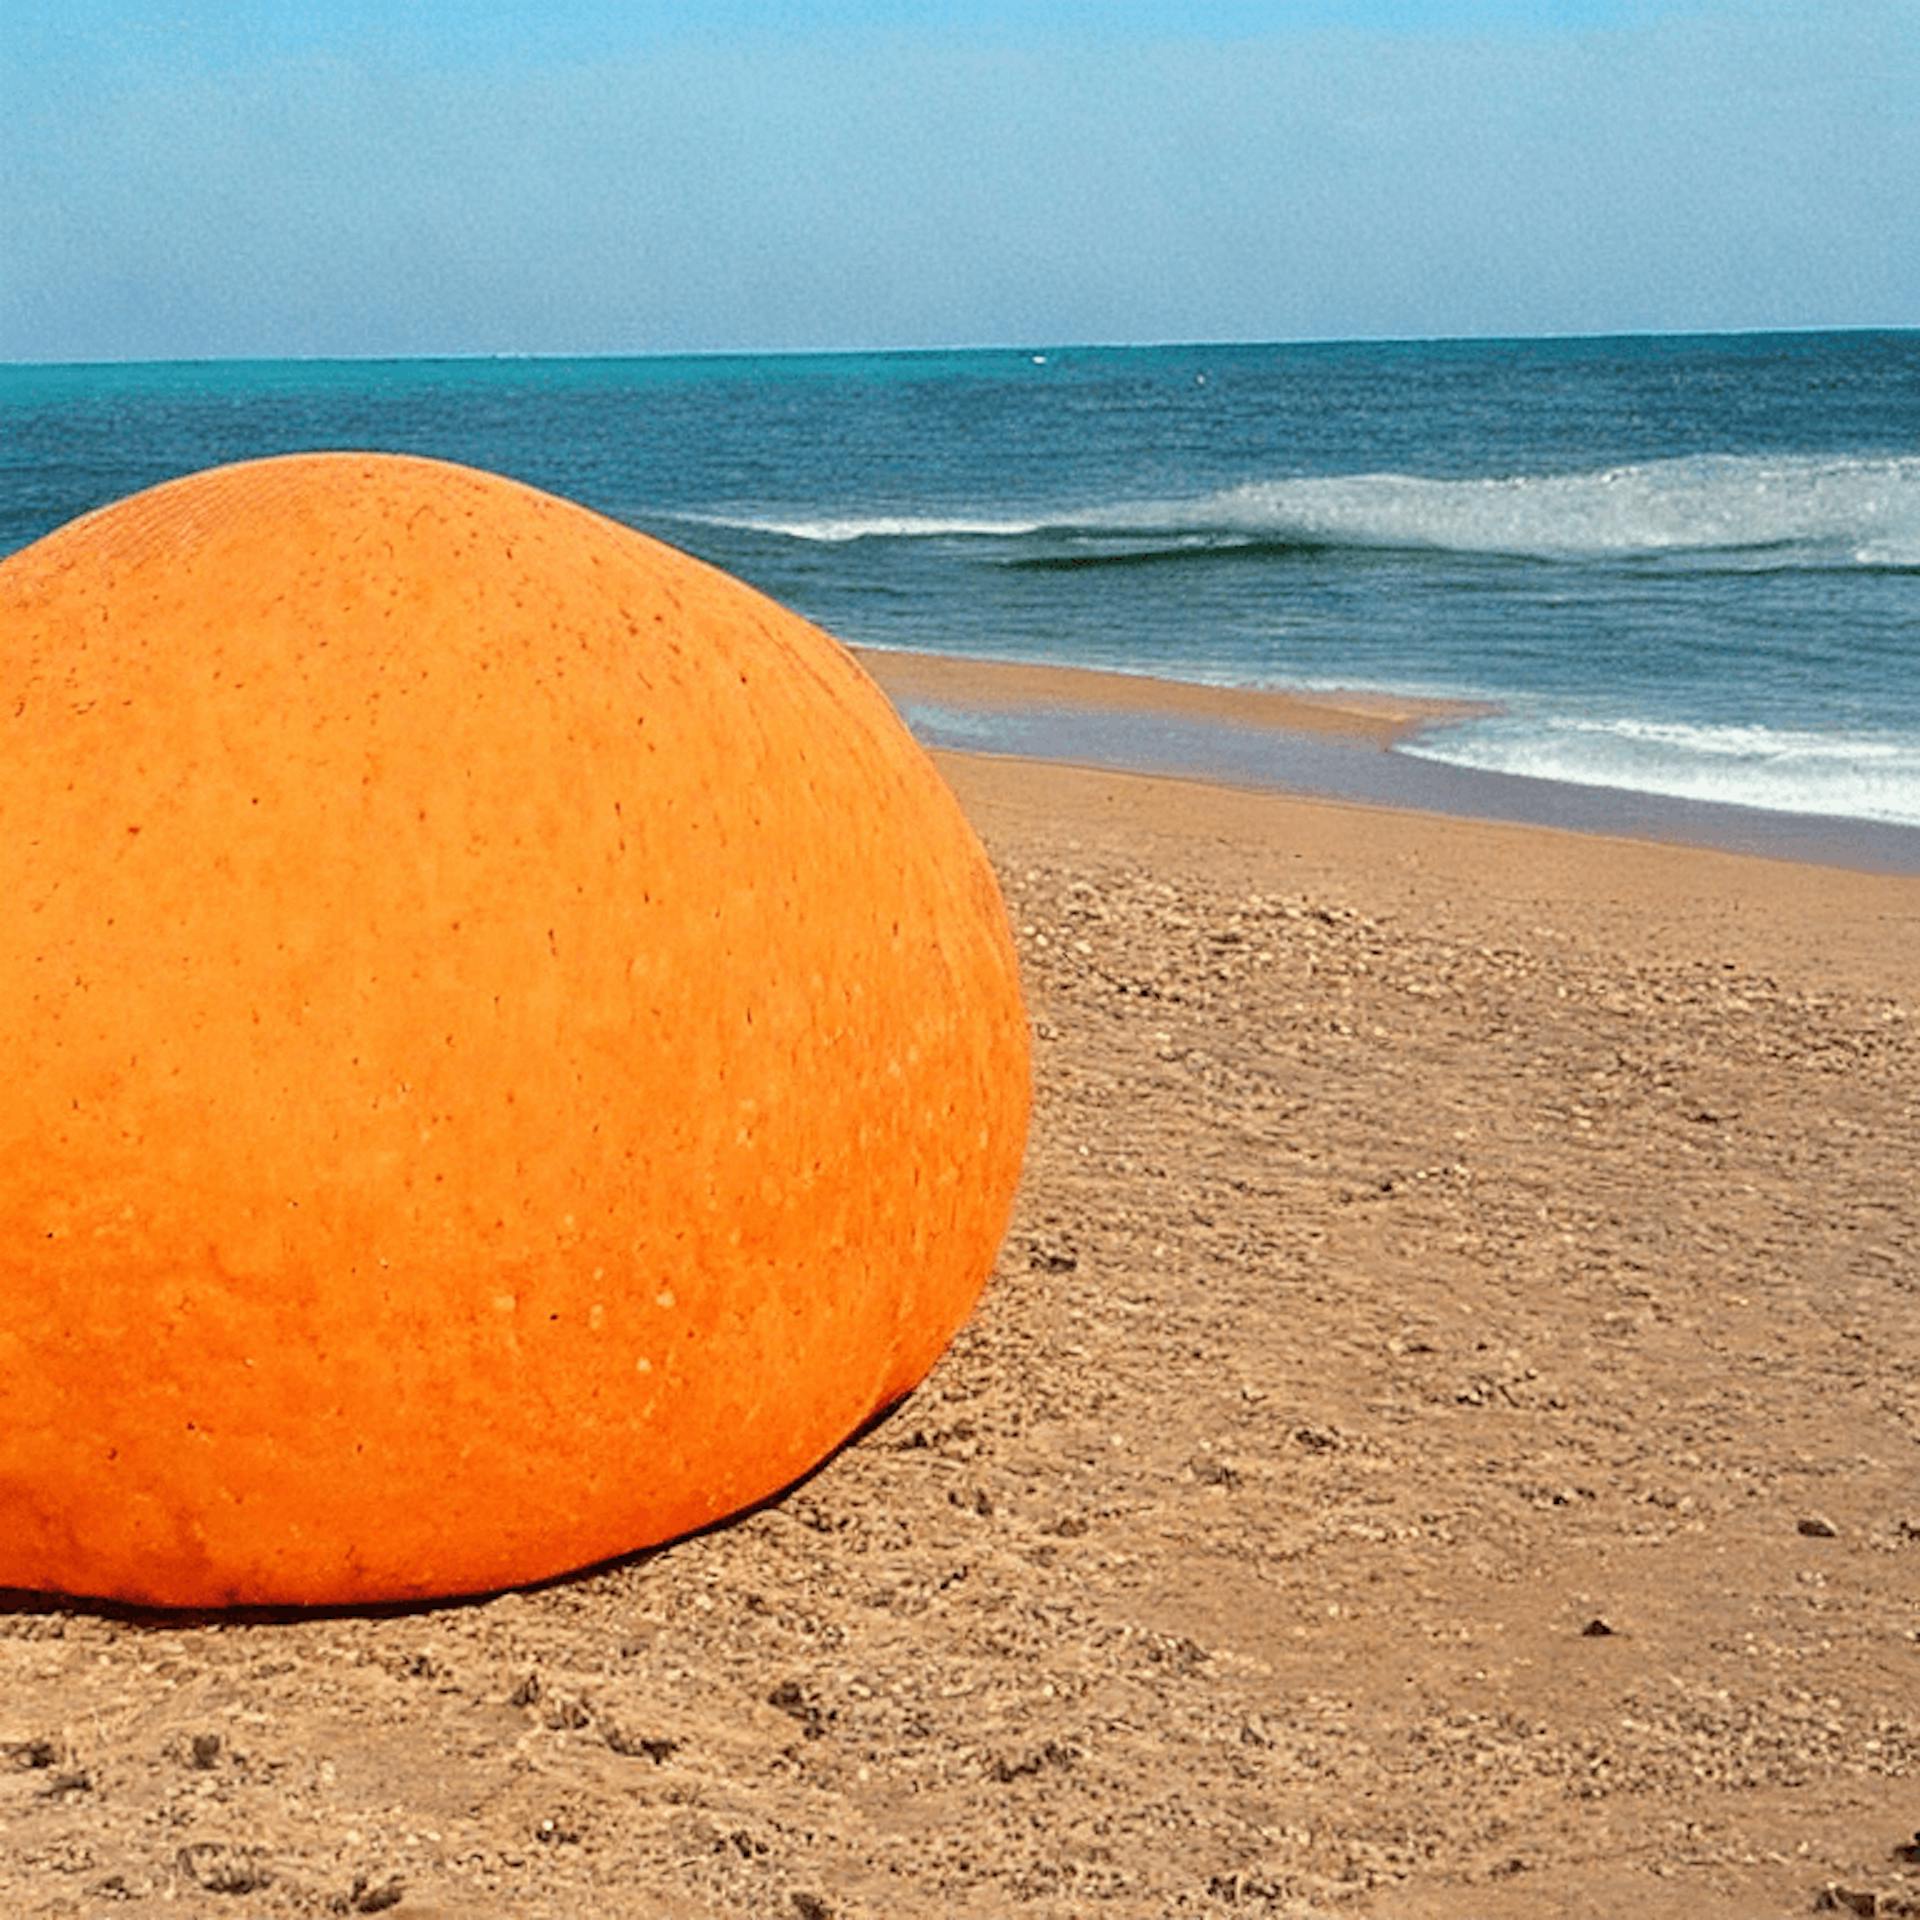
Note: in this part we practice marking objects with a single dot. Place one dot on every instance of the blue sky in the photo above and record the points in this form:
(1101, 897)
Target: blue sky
(227, 179)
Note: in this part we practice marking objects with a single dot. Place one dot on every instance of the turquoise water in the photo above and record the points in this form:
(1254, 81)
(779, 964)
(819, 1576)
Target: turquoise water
(1680, 566)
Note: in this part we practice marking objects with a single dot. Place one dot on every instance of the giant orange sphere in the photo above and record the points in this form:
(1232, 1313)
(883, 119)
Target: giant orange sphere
(508, 1051)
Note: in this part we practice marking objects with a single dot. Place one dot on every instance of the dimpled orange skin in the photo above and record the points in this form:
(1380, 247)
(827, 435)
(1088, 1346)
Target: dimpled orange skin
(510, 1051)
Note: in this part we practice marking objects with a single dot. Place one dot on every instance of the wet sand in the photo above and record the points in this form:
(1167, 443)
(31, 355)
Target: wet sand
(1003, 685)
(1442, 1439)
(1334, 745)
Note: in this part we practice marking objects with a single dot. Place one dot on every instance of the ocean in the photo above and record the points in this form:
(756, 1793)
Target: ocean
(1679, 567)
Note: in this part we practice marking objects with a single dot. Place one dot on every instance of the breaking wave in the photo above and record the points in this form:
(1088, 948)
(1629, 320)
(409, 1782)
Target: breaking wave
(1749, 511)
(1787, 771)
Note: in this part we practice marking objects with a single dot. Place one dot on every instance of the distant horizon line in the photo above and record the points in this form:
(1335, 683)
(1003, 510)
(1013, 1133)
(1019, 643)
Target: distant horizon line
(1039, 346)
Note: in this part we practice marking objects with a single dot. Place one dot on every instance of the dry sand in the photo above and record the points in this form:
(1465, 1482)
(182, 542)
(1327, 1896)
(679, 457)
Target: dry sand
(1443, 1439)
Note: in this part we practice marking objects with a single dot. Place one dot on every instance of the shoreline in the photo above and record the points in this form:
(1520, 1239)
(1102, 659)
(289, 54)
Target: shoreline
(1334, 746)
(1663, 902)
(982, 685)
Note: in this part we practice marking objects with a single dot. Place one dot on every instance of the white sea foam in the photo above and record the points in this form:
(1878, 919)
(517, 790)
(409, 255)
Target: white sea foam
(837, 532)
(1783, 769)
(1842, 508)
(1755, 510)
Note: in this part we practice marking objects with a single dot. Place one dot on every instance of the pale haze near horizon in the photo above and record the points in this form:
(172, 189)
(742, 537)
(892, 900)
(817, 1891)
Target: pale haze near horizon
(253, 180)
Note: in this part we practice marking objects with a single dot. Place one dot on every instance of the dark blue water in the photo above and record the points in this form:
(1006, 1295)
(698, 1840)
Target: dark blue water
(1683, 566)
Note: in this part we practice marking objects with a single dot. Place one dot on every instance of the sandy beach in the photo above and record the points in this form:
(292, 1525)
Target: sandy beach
(1377, 719)
(1442, 1439)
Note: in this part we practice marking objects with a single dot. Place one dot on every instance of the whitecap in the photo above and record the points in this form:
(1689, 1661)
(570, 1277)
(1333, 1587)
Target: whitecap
(1747, 510)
